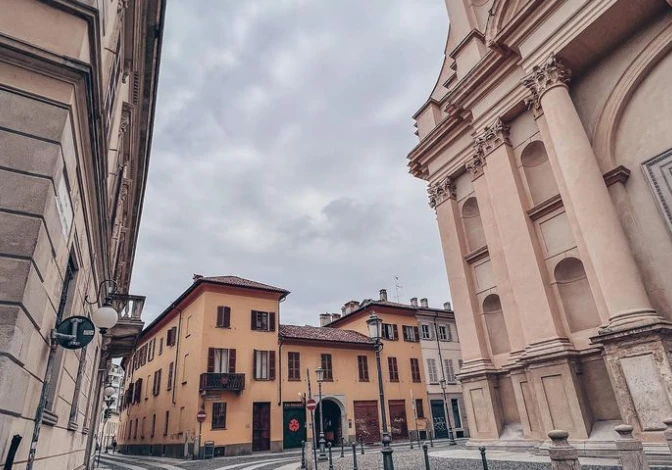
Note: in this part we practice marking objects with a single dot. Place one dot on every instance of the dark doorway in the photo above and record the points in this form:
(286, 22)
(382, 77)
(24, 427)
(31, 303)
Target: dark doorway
(439, 419)
(367, 426)
(294, 424)
(261, 426)
(398, 422)
(332, 421)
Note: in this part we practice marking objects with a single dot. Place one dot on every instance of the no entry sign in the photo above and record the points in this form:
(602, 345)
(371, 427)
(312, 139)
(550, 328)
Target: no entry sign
(311, 405)
(201, 415)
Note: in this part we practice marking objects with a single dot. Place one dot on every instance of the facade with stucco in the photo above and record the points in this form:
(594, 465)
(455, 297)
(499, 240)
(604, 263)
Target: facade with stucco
(546, 147)
(77, 93)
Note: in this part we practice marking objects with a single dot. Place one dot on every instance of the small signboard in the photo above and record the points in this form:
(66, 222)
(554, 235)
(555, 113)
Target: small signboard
(201, 415)
(75, 332)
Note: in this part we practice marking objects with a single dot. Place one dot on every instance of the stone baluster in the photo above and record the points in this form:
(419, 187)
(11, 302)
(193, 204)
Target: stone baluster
(563, 456)
(630, 450)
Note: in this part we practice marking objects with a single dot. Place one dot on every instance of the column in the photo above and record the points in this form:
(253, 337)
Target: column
(586, 195)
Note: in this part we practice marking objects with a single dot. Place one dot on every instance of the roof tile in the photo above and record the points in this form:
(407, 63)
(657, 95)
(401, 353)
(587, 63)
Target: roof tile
(321, 333)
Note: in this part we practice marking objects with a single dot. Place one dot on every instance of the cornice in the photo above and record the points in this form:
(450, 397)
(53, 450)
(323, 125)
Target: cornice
(441, 191)
(550, 74)
(620, 174)
(546, 207)
(531, 15)
(473, 34)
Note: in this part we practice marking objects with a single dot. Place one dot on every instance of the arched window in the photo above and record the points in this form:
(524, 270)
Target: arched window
(495, 324)
(538, 172)
(575, 294)
(473, 227)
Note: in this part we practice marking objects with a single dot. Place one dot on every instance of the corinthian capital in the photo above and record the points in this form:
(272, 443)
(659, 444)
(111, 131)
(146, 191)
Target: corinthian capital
(441, 191)
(490, 138)
(544, 77)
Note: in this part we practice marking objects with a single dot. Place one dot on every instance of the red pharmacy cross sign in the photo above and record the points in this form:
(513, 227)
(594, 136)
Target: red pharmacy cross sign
(294, 425)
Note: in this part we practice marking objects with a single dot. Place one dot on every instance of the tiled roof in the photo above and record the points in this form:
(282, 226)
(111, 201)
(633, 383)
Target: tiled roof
(321, 333)
(240, 282)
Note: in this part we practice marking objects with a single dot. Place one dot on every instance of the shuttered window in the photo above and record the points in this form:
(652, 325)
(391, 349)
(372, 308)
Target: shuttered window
(262, 321)
(223, 317)
(171, 337)
(165, 426)
(264, 365)
(293, 366)
(219, 416)
(390, 331)
(394, 370)
(425, 331)
(221, 361)
(171, 368)
(415, 370)
(153, 425)
(450, 370)
(363, 366)
(411, 334)
(419, 409)
(432, 372)
(326, 365)
(156, 388)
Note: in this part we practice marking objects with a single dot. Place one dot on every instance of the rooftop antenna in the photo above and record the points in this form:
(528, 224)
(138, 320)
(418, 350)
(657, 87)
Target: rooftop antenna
(397, 286)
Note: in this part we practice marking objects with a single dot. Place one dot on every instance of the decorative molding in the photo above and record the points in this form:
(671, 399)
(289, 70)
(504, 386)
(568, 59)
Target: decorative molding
(620, 174)
(546, 207)
(533, 105)
(441, 191)
(122, 5)
(475, 165)
(477, 254)
(658, 173)
(491, 138)
(123, 124)
(544, 77)
(127, 70)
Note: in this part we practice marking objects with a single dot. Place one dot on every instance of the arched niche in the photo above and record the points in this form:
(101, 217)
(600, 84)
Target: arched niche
(498, 335)
(576, 296)
(538, 172)
(473, 226)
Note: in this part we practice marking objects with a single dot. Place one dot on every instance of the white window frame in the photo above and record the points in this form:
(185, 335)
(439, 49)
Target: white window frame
(450, 370)
(425, 331)
(262, 371)
(221, 361)
(262, 320)
(443, 332)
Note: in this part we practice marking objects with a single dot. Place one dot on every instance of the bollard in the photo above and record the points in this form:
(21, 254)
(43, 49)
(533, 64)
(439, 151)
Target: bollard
(331, 463)
(431, 442)
(668, 432)
(563, 456)
(354, 456)
(342, 444)
(303, 455)
(484, 460)
(412, 440)
(361, 445)
(630, 450)
(424, 451)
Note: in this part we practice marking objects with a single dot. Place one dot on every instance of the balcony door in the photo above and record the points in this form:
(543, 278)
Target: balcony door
(261, 426)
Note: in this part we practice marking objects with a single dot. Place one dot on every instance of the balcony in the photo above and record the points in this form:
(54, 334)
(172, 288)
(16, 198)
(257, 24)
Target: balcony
(216, 382)
(123, 336)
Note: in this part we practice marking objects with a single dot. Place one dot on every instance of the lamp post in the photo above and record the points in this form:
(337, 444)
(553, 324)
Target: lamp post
(375, 324)
(319, 372)
(109, 399)
(445, 407)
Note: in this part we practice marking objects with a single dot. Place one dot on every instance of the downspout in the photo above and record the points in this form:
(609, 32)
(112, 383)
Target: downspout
(438, 345)
(177, 351)
(279, 366)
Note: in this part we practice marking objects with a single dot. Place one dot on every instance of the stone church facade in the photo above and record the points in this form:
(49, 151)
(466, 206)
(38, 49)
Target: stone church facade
(547, 149)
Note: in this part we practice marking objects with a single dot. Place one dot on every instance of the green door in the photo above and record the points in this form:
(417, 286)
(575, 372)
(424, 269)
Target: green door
(294, 424)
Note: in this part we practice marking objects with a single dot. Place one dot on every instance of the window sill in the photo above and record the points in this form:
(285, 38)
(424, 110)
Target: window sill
(217, 429)
(72, 426)
(361, 380)
(184, 383)
(223, 327)
(294, 380)
(50, 418)
(187, 336)
(394, 381)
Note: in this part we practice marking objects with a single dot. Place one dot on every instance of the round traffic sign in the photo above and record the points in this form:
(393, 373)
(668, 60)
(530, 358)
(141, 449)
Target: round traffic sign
(201, 415)
(75, 332)
(311, 405)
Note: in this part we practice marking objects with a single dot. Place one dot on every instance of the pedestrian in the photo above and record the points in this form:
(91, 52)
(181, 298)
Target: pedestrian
(114, 445)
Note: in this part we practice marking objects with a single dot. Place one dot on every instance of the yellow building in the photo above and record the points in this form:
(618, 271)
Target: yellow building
(220, 351)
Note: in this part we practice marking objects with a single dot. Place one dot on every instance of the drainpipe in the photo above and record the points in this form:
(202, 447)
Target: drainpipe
(438, 345)
(279, 366)
(177, 351)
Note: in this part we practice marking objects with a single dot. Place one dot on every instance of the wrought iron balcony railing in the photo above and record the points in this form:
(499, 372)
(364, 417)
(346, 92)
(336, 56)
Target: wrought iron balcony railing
(213, 381)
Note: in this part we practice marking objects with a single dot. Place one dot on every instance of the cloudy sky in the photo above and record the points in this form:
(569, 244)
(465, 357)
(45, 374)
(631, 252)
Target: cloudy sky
(279, 153)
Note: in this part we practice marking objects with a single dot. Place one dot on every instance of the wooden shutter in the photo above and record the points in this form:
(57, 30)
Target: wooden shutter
(360, 367)
(271, 365)
(416, 332)
(220, 316)
(232, 360)
(271, 321)
(158, 385)
(211, 359)
(171, 366)
(254, 322)
(396, 332)
(254, 363)
(227, 317)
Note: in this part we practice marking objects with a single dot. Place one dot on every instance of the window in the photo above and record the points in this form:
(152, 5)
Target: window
(170, 376)
(142, 430)
(187, 330)
(264, 365)
(263, 321)
(432, 372)
(165, 426)
(219, 416)
(425, 331)
(411, 334)
(363, 366)
(184, 369)
(157, 383)
(171, 337)
(137, 393)
(390, 331)
(150, 350)
(180, 422)
(160, 346)
(456, 412)
(325, 363)
(129, 429)
(293, 366)
(221, 361)
(415, 370)
(135, 432)
(223, 317)
(419, 409)
(443, 332)
(394, 370)
(153, 425)
(450, 370)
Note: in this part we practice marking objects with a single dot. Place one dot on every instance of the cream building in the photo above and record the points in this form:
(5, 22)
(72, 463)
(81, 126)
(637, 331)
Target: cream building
(78, 85)
(546, 144)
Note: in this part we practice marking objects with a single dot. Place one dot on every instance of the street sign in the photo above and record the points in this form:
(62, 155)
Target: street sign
(201, 415)
(311, 405)
(75, 332)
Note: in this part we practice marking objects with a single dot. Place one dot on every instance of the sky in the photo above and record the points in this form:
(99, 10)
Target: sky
(279, 152)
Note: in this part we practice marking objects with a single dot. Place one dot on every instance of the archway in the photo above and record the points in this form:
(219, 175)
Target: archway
(333, 423)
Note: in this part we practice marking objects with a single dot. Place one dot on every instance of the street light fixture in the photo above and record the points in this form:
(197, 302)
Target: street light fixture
(319, 372)
(104, 317)
(451, 438)
(375, 325)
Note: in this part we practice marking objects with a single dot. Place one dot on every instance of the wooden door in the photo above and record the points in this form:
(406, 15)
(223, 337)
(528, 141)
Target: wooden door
(398, 423)
(261, 426)
(367, 426)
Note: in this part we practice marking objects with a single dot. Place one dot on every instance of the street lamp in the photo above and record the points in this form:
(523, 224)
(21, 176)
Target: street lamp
(104, 317)
(445, 407)
(375, 325)
(319, 372)
(108, 392)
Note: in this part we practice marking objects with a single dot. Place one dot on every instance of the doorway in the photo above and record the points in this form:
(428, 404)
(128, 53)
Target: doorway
(367, 426)
(439, 419)
(332, 421)
(261, 426)
(294, 424)
(398, 422)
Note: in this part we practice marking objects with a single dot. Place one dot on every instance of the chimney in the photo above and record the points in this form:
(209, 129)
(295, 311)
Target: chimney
(343, 312)
(448, 306)
(335, 316)
(351, 307)
(325, 318)
(383, 295)
(196, 277)
(423, 303)
(414, 302)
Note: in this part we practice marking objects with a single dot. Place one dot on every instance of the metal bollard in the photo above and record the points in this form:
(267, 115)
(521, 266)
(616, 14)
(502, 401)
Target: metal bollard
(361, 445)
(431, 441)
(331, 463)
(354, 456)
(412, 440)
(303, 455)
(424, 451)
(342, 444)
(484, 461)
